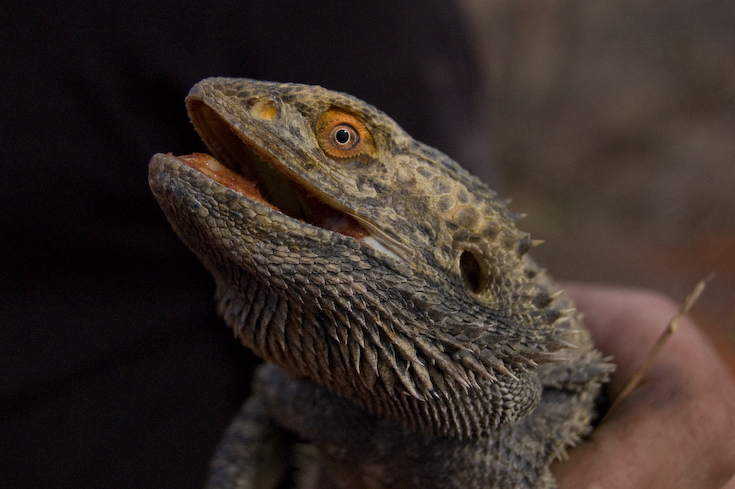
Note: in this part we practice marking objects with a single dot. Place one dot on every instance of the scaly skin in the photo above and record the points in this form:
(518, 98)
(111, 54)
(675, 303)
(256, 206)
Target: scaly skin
(410, 340)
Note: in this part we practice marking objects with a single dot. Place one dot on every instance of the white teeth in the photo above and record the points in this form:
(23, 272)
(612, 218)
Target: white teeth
(215, 165)
(376, 245)
(383, 240)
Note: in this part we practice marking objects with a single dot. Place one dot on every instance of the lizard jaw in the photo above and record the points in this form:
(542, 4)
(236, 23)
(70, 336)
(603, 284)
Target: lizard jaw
(240, 164)
(302, 204)
(321, 214)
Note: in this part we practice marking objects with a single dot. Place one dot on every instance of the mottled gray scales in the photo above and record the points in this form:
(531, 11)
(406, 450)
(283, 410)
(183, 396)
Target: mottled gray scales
(410, 340)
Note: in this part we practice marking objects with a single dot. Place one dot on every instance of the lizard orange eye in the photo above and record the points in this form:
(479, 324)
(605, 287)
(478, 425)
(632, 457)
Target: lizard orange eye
(342, 135)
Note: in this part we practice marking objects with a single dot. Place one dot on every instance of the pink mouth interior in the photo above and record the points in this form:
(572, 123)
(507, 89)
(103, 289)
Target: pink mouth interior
(318, 213)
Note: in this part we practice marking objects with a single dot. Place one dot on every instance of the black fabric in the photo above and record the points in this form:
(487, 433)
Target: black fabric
(114, 369)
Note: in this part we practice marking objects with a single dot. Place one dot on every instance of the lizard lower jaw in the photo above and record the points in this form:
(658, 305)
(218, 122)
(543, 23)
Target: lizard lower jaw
(298, 203)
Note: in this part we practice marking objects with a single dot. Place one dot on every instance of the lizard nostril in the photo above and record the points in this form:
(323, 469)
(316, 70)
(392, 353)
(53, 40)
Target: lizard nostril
(265, 109)
(469, 267)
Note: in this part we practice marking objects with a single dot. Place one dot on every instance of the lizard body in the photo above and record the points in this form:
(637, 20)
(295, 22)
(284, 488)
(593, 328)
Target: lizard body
(410, 340)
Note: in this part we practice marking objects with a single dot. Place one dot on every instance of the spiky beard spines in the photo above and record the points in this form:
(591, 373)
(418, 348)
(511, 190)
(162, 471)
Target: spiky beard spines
(407, 385)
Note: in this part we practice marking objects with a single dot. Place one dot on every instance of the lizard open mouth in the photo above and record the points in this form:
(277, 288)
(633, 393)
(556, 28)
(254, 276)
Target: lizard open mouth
(242, 167)
(277, 192)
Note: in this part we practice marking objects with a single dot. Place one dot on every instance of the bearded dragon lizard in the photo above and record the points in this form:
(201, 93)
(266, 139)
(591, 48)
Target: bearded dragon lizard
(410, 341)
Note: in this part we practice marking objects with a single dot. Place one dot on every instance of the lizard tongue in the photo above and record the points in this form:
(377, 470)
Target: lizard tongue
(312, 210)
(215, 170)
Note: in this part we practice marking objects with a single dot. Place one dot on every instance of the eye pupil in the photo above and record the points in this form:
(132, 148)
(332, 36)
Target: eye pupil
(342, 136)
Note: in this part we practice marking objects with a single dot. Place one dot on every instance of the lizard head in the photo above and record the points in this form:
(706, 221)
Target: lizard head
(350, 254)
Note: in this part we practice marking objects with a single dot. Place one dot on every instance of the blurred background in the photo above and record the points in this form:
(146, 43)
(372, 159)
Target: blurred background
(610, 123)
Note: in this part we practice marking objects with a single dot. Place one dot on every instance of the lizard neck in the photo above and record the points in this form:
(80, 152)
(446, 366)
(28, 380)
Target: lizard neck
(357, 450)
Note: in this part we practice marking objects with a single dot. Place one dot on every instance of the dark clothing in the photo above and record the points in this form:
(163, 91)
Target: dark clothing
(114, 369)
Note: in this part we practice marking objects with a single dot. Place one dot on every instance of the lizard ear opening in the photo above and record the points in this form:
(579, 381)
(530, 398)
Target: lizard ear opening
(471, 271)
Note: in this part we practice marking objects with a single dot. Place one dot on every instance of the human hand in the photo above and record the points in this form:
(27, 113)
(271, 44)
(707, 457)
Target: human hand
(677, 428)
